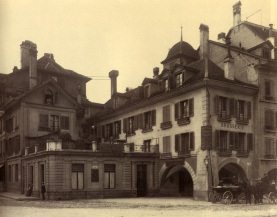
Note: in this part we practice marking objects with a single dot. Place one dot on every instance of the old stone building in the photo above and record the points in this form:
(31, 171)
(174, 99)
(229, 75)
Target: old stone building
(208, 115)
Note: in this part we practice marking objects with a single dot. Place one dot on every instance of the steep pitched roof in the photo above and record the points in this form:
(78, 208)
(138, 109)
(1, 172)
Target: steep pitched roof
(48, 63)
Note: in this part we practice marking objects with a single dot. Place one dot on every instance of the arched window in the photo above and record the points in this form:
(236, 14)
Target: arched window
(49, 97)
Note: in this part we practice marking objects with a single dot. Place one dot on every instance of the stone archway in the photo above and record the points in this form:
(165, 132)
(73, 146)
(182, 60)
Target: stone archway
(232, 173)
(177, 180)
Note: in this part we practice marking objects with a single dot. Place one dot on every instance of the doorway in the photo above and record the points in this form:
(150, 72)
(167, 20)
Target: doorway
(141, 180)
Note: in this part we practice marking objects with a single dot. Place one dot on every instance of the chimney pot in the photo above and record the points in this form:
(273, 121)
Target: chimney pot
(237, 13)
(221, 37)
(113, 76)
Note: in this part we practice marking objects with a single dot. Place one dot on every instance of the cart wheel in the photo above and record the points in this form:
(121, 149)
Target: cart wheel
(272, 197)
(217, 197)
(227, 197)
(242, 198)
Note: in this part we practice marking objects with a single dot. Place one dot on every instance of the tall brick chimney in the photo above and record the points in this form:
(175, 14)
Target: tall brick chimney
(29, 59)
(271, 38)
(204, 41)
(237, 13)
(113, 76)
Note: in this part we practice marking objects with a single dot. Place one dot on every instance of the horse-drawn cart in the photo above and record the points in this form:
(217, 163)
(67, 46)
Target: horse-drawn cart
(227, 194)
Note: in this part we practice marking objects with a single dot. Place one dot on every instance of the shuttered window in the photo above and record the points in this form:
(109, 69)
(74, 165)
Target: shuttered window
(184, 109)
(269, 147)
(64, 122)
(269, 119)
(184, 143)
(166, 113)
(166, 144)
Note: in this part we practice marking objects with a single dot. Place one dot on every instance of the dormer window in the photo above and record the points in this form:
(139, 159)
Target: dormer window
(166, 86)
(147, 90)
(266, 53)
(179, 80)
(49, 97)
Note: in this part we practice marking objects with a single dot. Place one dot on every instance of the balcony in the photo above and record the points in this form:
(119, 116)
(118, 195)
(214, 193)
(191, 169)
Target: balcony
(166, 155)
(224, 117)
(242, 119)
(166, 125)
(183, 121)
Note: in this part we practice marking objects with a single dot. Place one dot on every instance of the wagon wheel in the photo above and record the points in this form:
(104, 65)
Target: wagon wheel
(242, 198)
(272, 197)
(227, 197)
(217, 197)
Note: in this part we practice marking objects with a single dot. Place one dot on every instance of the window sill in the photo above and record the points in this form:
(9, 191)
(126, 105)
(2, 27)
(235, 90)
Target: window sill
(183, 121)
(166, 125)
(147, 130)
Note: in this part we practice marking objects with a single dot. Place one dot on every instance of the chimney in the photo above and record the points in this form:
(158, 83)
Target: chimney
(156, 72)
(272, 40)
(113, 75)
(29, 59)
(229, 70)
(204, 38)
(237, 13)
(221, 37)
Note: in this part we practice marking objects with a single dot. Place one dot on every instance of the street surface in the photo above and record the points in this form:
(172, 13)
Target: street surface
(131, 207)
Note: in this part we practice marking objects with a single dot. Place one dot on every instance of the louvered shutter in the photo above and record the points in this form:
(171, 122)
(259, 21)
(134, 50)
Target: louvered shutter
(249, 115)
(236, 146)
(191, 107)
(216, 105)
(232, 107)
(135, 122)
(177, 143)
(177, 107)
(125, 125)
(103, 132)
(191, 141)
(231, 141)
(250, 142)
(153, 113)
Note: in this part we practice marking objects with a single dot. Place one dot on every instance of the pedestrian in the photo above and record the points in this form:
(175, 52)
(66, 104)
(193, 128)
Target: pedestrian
(248, 193)
(43, 190)
(29, 190)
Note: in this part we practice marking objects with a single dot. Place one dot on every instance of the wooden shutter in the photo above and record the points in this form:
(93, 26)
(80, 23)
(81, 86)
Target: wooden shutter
(140, 121)
(249, 115)
(232, 107)
(231, 141)
(191, 141)
(191, 107)
(153, 113)
(249, 142)
(177, 142)
(135, 122)
(177, 108)
(216, 139)
(43, 120)
(64, 122)
(236, 146)
(124, 125)
(216, 105)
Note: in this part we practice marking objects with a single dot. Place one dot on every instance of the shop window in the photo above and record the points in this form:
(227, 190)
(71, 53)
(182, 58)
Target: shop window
(94, 175)
(166, 144)
(77, 176)
(64, 122)
(109, 176)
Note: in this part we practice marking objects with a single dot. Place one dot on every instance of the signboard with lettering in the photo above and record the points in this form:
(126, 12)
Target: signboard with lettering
(232, 126)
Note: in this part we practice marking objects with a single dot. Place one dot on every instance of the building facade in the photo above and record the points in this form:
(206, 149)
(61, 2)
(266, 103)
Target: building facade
(209, 115)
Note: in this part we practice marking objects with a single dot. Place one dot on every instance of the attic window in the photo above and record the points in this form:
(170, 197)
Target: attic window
(166, 86)
(266, 53)
(179, 80)
(49, 97)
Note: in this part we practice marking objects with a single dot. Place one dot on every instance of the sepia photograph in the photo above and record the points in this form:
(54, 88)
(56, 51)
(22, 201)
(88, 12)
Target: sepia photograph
(150, 108)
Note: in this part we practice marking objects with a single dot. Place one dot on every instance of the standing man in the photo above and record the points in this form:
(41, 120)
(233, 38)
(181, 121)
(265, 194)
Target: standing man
(43, 190)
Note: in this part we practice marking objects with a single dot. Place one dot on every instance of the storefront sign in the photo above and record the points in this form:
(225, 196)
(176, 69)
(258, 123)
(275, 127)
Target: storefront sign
(233, 126)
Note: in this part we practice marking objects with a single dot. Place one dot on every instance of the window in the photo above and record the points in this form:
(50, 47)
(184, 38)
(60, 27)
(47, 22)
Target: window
(223, 141)
(166, 113)
(269, 148)
(184, 109)
(166, 144)
(269, 120)
(49, 97)
(64, 122)
(77, 176)
(268, 90)
(94, 175)
(16, 172)
(147, 145)
(130, 126)
(43, 122)
(109, 131)
(117, 128)
(109, 176)
(54, 122)
(9, 125)
(166, 85)
(241, 143)
(147, 120)
(179, 80)
(266, 53)
(184, 143)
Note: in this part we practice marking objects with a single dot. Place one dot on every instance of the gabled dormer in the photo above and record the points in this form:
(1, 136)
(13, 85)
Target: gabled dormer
(264, 50)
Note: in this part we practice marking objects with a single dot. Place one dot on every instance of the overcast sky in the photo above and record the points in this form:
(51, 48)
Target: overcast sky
(93, 37)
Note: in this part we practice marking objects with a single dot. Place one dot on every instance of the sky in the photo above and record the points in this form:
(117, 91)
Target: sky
(93, 37)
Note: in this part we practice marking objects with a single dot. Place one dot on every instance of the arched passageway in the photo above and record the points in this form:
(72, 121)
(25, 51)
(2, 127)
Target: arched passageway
(232, 173)
(176, 181)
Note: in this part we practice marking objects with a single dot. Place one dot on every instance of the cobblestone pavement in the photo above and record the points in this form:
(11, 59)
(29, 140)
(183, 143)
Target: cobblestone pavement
(132, 207)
